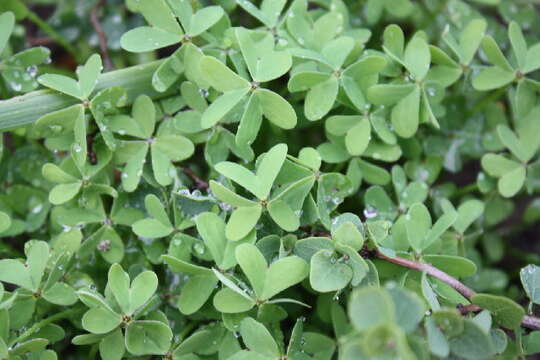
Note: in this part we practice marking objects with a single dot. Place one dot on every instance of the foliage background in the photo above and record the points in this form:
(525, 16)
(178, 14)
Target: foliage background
(396, 124)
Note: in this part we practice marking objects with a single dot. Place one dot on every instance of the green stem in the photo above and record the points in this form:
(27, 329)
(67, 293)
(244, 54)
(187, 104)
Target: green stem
(93, 352)
(44, 322)
(466, 189)
(185, 331)
(486, 101)
(46, 28)
(26, 109)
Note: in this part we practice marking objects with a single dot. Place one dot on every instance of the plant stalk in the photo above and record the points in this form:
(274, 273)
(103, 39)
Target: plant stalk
(26, 109)
(530, 322)
(44, 322)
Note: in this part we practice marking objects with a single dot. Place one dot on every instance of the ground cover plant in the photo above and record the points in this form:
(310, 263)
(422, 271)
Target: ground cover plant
(275, 179)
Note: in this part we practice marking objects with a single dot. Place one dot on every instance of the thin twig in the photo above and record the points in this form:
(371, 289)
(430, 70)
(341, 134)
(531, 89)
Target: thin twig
(465, 309)
(94, 19)
(49, 30)
(430, 270)
(199, 183)
(58, 316)
(530, 322)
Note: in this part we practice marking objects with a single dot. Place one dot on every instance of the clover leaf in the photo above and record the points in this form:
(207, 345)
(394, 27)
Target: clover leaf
(164, 18)
(447, 70)
(380, 206)
(421, 233)
(324, 81)
(503, 72)
(125, 307)
(413, 102)
(104, 239)
(30, 275)
(164, 148)
(511, 174)
(19, 70)
(266, 280)
(87, 181)
(264, 64)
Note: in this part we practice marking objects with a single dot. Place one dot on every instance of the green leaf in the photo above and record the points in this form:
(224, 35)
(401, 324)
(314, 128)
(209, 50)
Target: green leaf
(174, 147)
(276, 109)
(348, 234)
(410, 309)
(438, 344)
(264, 63)
(148, 337)
(519, 45)
(358, 137)
(283, 215)
(88, 75)
(369, 307)
(418, 224)
(510, 140)
(468, 212)
(320, 99)
(242, 221)
(530, 279)
(220, 76)
(250, 122)
(389, 94)
(60, 294)
(131, 176)
(440, 226)
(452, 265)
(158, 14)
(14, 272)
(5, 222)
(257, 338)
(269, 168)
(7, 23)
(473, 343)
(195, 293)
(405, 115)
(151, 228)
(327, 273)
(492, 78)
(393, 41)
(57, 123)
(222, 106)
(505, 311)
(132, 296)
(204, 19)
(494, 54)
(304, 80)
(181, 266)
(100, 320)
(64, 192)
(497, 165)
(532, 63)
(253, 265)
(510, 183)
(226, 195)
(470, 39)
(63, 84)
(283, 274)
(28, 346)
(112, 346)
(230, 302)
(417, 58)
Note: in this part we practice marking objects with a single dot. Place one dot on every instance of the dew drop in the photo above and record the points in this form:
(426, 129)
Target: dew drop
(32, 70)
(370, 212)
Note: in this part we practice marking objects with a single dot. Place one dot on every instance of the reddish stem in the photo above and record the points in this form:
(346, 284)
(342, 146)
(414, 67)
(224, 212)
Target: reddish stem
(530, 322)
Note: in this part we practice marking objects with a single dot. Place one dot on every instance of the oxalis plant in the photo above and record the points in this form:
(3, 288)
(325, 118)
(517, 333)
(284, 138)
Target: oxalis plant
(273, 179)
